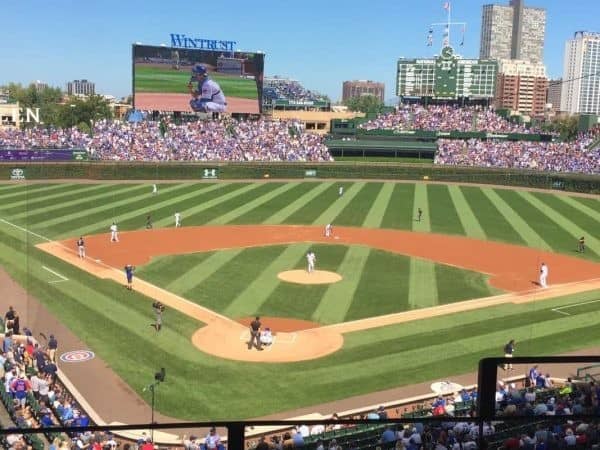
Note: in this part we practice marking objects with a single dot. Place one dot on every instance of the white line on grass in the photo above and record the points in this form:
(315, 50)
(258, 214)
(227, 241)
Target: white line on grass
(62, 278)
(26, 230)
(558, 310)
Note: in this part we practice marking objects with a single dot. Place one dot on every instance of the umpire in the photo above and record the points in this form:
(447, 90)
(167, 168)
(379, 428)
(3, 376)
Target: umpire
(255, 334)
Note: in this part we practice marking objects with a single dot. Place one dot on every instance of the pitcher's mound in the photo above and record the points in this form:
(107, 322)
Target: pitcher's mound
(303, 277)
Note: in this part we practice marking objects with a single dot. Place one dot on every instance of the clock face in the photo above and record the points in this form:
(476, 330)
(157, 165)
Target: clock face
(447, 52)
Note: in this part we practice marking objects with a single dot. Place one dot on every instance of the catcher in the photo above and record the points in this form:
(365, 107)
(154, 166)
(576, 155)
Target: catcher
(207, 97)
(158, 308)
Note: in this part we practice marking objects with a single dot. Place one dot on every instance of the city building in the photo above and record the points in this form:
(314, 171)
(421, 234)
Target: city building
(81, 87)
(357, 88)
(581, 74)
(39, 85)
(554, 94)
(513, 31)
(446, 78)
(522, 87)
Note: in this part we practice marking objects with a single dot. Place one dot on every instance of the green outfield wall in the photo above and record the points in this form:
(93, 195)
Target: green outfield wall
(231, 171)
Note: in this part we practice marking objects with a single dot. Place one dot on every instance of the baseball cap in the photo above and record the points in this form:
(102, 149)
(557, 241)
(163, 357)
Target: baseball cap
(199, 69)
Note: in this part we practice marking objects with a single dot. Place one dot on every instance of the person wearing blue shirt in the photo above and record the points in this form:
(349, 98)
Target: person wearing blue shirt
(388, 436)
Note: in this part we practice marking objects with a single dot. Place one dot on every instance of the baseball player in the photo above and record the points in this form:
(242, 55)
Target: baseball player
(148, 221)
(581, 247)
(543, 275)
(81, 247)
(154, 189)
(311, 259)
(341, 191)
(328, 230)
(208, 97)
(177, 220)
(129, 269)
(419, 214)
(114, 233)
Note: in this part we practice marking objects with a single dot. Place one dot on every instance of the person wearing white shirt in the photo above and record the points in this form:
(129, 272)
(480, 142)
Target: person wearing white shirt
(114, 233)
(543, 275)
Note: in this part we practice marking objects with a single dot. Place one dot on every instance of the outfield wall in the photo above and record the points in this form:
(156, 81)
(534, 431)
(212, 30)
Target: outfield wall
(349, 170)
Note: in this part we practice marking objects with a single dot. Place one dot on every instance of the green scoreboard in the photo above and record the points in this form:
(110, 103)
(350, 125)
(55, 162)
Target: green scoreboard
(446, 77)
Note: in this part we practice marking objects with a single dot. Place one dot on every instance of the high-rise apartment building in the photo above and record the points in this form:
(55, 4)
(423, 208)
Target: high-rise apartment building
(522, 87)
(513, 32)
(363, 87)
(554, 94)
(581, 74)
(81, 87)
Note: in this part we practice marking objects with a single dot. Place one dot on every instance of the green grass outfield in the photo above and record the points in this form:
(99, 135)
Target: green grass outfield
(113, 321)
(170, 81)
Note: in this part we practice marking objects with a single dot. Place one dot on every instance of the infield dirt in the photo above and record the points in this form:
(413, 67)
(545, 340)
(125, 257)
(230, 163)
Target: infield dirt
(511, 268)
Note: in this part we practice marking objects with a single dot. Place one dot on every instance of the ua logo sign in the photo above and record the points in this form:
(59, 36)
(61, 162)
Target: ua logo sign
(210, 173)
(17, 174)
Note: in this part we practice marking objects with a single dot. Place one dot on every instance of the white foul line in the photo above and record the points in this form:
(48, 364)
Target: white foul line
(572, 306)
(62, 278)
(26, 230)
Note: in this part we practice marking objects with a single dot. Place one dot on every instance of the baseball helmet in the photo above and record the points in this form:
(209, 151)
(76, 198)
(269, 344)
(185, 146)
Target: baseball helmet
(199, 69)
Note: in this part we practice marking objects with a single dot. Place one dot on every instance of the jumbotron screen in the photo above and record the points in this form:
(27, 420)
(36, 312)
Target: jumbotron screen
(161, 76)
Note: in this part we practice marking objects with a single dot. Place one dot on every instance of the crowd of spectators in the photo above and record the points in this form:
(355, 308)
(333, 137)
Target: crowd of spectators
(225, 139)
(276, 88)
(444, 118)
(575, 156)
(34, 397)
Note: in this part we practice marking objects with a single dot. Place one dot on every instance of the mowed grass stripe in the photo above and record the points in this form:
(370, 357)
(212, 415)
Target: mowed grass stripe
(390, 274)
(338, 297)
(529, 236)
(330, 214)
(399, 210)
(32, 189)
(422, 288)
(56, 208)
(274, 192)
(262, 212)
(260, 287)
(493, 222)
(377, 212)
(313, 211)
(442, 212)
(164, 212)
(581, 207)
(126, 197)
(592, 203)
(99, 219)
(299, 301)
(168, 271)
(469, 222)
(41, 200)
(189, 215)
(283, 213)
(221, 207)
(357, 211)
(205, 266)
(572, 230)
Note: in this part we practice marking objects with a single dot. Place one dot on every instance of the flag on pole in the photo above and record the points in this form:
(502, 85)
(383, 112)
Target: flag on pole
(462, 41)
(447, 6)
(430, 38)
(446, 41)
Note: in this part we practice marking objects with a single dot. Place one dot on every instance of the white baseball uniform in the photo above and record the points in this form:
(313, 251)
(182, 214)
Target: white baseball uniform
(341, 191)
(328, 230)
(311, 259)
(114, 234)
(177, 219)
(543, 275)
(154, 189)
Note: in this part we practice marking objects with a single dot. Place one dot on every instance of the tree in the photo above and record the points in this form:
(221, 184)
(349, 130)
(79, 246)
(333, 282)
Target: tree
(566, 126)
(365, 103)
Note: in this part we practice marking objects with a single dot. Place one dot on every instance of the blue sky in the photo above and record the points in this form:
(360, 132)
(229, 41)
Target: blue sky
(319, 42)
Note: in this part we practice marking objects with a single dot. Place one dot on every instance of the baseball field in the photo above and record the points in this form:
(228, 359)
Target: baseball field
(417, 300)
(165, 89)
